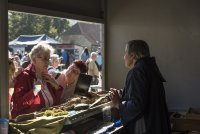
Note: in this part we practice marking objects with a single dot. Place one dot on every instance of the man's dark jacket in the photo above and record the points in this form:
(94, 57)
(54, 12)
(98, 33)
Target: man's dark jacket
(144, 97)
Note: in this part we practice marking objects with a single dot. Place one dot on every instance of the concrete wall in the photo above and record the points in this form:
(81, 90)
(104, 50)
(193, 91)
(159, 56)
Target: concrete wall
(172, 29)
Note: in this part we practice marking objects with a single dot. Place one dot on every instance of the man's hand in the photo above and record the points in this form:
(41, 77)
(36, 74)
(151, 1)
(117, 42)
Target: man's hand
(115, 97)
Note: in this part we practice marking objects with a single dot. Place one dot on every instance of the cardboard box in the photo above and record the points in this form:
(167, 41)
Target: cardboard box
(194, 110)
(185, 125)
(190, 122)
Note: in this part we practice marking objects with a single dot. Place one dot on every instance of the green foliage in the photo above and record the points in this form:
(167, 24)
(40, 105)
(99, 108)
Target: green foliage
(29, 24)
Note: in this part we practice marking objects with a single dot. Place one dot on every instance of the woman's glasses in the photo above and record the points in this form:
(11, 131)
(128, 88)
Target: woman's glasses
(44, 58)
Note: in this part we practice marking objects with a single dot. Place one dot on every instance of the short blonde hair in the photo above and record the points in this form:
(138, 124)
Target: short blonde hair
(41, 49)
(53, 57)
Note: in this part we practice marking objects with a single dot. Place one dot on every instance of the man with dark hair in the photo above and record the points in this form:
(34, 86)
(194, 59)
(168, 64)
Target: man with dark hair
(142, 105)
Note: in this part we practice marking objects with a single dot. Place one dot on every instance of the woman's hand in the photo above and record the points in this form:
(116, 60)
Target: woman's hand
(115, 97)
(48, 78)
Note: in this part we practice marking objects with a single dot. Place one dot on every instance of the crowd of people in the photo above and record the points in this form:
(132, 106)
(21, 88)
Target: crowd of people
(35, 80)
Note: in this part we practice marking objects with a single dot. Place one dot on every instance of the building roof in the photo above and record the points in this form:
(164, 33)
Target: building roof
(90, 31)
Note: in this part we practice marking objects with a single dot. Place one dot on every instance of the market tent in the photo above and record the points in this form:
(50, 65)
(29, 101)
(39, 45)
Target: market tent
(26, 40)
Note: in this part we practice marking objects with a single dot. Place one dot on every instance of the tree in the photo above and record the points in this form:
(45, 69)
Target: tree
(29, 24)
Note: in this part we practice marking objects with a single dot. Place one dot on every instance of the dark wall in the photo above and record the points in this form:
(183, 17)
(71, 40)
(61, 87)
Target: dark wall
(172, 29)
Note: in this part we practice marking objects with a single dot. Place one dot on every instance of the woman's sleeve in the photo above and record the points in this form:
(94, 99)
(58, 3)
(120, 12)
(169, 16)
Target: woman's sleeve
(23, 95)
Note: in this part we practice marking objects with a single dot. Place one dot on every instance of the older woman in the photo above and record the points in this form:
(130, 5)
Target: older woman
(71, 77)
(28, 96)
(53, 68)
(54, 72)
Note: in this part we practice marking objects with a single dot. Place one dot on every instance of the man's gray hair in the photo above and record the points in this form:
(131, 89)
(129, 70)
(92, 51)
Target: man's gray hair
(139, 47)
(93, 54)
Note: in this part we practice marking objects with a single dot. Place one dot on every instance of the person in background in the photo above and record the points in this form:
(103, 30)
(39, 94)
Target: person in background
(68, 77)
(142, 103)
(54, 71)
(17, 60)
(25, 60)
(99, 59)
(34, 88)
(25, 57)
(54, 63)
(65, 56)
(22, 54)
(18, 66)
(71, 77)
(85, 54)
(92, 68)
(12, 69)
(71, 57)
(19, 54)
